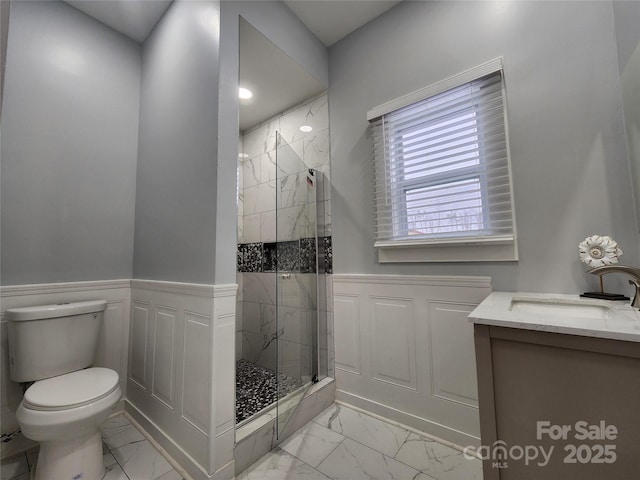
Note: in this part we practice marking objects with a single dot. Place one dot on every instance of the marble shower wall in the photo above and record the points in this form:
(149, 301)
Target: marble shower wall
(259, 177)
(257, 189)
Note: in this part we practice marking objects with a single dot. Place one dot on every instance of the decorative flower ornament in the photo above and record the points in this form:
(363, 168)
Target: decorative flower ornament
(597, 251)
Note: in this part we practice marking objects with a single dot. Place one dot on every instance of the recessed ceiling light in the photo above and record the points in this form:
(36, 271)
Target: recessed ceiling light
(245, 93)
(244, 155)
(306, 128)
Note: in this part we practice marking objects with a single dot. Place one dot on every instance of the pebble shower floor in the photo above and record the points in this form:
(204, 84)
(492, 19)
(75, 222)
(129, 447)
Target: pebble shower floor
(256, 388)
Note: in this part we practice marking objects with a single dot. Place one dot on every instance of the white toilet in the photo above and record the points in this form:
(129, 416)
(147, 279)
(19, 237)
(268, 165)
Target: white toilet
(52, 345)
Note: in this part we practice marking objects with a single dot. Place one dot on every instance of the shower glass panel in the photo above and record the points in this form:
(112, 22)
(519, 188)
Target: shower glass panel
(296, 266)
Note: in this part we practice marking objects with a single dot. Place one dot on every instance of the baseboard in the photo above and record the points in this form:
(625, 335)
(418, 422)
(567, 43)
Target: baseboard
(119, 408)
(422, 426)
(181, 461)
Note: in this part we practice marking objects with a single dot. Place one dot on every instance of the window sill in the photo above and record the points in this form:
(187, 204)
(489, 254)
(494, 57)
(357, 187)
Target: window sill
(451, 250)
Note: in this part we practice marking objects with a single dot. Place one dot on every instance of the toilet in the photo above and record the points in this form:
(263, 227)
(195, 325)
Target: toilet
(53, 346)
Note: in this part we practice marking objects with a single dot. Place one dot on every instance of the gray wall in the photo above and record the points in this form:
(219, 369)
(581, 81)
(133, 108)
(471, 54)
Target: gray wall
(175, 238)
(566, 130)
(5, 7)
(276, 22)
(69, 147)
(627, 19)
(69, 184)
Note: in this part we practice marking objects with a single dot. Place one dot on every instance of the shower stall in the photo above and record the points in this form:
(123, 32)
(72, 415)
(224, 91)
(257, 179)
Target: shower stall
(278, 358)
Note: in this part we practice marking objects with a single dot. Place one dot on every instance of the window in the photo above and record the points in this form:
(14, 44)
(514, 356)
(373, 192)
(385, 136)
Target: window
(442, 176)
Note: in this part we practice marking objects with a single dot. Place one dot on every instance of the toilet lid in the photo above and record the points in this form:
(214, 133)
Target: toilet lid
(71, 390)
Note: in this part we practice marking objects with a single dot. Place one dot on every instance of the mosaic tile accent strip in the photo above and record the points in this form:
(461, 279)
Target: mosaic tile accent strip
(270, 257)
(296, 256)
(308, 255)
(281, 257)
(288, 256)
(256, 388)
(325, 255)
(250, 257)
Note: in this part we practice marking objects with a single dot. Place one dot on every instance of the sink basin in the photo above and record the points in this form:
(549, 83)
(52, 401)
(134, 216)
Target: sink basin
(552, 307)
(560, 313)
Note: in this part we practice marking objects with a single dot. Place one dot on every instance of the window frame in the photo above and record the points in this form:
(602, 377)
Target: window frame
(474, 245)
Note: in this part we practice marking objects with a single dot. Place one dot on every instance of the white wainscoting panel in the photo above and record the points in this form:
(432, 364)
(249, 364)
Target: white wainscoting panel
(139, 341)
(182, 370)
(112, 351)
(223, 408)
(404, 350)
(347, 333)
(163, 355)
(393, 352)
(450, 353)
(196, 370)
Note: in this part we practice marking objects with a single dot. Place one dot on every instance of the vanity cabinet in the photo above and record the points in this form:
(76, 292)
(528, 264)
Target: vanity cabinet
(576, 397)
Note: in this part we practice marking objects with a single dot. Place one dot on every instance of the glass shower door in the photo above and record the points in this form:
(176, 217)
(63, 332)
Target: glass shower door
(296, 280)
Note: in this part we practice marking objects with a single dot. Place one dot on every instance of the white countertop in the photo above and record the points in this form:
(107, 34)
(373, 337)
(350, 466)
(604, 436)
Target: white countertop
(568, 314)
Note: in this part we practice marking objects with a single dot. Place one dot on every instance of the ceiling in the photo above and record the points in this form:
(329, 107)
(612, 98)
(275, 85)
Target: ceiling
(331, 21)
(278, 82)
(133, 18)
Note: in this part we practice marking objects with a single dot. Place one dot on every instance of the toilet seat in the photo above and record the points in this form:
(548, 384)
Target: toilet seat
(71, 390)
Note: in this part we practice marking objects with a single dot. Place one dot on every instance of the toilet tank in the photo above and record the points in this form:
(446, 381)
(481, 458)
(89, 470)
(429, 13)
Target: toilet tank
(50, 340)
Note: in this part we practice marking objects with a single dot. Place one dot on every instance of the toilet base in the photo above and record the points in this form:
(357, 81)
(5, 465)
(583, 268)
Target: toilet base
(79, 458)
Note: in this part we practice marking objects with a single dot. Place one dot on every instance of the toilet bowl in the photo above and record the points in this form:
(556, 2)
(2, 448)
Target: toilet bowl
(53, 346)
(64, 414)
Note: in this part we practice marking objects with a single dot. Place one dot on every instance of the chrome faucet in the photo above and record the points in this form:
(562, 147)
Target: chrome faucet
(634, 273)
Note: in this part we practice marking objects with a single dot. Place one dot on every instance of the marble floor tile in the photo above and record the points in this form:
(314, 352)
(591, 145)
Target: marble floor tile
(332, 446)
(439, 461)
(312, 443)
(108, 459)
(14, 467)
(354, 461)
(124, 436)
(127, 455)
(22, 476)
(115, 425)
(381, 436)
(140, 461)
(114, 472)
(32, 456)
(172, 475)
(279, 465)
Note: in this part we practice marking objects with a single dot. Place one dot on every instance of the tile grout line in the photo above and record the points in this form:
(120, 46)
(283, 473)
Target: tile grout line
(26, 459)
(326, 456)
(114, 457)
(401, 445)
(385, 455)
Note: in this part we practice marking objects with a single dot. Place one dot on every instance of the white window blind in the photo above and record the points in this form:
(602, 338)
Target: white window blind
(442, 168)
